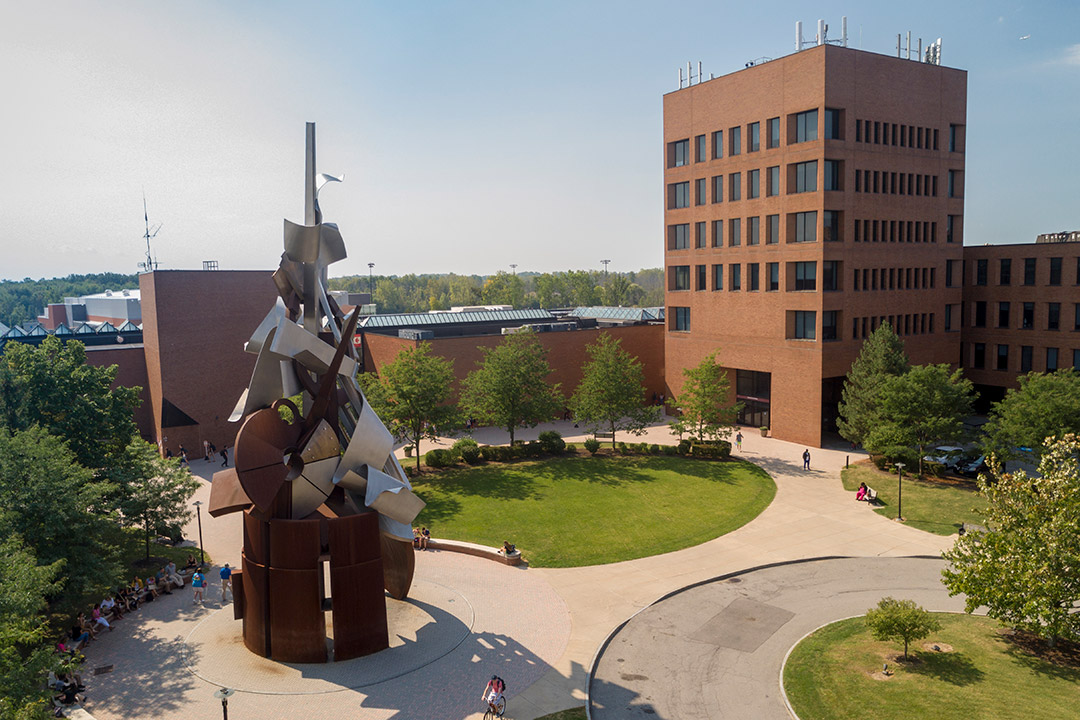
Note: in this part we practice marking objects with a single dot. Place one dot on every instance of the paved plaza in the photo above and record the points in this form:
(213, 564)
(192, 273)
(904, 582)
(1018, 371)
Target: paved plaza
(540, 629)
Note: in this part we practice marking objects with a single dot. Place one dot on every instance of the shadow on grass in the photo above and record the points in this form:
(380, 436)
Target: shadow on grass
(1061, 661)
(954, 668)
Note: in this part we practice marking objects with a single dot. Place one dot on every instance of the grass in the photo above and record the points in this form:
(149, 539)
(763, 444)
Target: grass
(573, 511)
(835, 674)
(937, 506)
(133, 554)
(571, 714)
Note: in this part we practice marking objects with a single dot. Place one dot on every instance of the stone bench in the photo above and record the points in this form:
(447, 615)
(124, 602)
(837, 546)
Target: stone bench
(469, 548)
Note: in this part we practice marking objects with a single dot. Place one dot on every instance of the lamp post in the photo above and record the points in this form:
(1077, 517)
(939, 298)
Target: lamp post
(223, 694)
(605, 264)
(513, 266)
(900, 493)
(370, 282)
(198, 514)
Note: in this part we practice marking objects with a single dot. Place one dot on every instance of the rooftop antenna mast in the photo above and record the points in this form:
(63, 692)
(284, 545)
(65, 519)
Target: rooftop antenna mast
(149, 265)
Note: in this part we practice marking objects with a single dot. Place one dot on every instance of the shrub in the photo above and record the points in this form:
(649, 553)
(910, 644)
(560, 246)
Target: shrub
(470, 455)
(487, 453)
(533, 449)
(552, 442)
(669, 449)
(643, 448)
(623, 449)
(504, 453)
(438, 458)
(592, 445)
(683, 447)
(460, 445)
(654, 449)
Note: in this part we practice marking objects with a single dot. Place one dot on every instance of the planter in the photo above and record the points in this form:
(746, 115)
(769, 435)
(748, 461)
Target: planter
(408, 450)
(764, 431)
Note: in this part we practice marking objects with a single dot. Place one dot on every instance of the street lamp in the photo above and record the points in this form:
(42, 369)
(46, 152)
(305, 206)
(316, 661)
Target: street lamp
(198, 514)
(370, 282)
(605, 264)
(900, 493)
(223, 694)
(513, 266)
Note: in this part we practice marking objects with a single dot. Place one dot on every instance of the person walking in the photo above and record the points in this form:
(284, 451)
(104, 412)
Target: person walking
(198, 580)
(738, 440)
(206, 450)
(224, 456)
(226, 581)
(806, 459)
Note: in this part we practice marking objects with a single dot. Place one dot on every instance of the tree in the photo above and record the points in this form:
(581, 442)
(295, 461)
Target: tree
(1024, 569)
(1044, 405)
(882, 356)
(154, 491)
(612, 390)
(706, 413)
(900, 620)
(510, 387)
(51, 385)
(410, 395)
(25, 654)
(924, 406)
(503, 289)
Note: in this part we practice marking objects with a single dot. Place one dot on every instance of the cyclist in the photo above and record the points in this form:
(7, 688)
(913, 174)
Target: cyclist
(493, 693)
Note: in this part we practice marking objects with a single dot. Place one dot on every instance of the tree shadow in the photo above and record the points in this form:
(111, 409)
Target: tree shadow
(1061, 661)
(954, 668)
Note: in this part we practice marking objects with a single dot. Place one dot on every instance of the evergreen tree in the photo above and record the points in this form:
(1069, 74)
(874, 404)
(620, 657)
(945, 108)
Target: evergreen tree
(882, 356)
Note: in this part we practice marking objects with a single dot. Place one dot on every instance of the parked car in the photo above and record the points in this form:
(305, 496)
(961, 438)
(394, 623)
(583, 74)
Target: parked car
(971, 467)
(944, 455)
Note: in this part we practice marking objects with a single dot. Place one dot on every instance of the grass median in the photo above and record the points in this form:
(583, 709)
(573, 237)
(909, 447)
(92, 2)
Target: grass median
(573, 511)
(931, 505)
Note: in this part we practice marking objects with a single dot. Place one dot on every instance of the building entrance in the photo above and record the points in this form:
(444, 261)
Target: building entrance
(754, 390)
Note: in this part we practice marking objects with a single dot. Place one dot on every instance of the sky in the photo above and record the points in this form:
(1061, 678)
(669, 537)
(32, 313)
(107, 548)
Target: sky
(473, 135)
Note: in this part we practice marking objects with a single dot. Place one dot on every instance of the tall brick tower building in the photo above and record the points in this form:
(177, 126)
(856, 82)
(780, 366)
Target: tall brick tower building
(808, 199)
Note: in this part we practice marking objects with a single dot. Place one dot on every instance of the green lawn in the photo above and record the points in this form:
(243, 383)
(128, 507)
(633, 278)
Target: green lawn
(935, 506)
(986, 676)
(573, 511)
(133, 554)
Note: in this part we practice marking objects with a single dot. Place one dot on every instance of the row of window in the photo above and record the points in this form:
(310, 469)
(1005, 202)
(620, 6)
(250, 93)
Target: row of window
(904, 231)
(802, 127)
(982, 267)
(893, 279)
(876, 132)
(800, 227)
(800, 276)
(1027, 315)
(883, 182)
(801, 324)
(1027, 354)
(908, 324)
(801, 178)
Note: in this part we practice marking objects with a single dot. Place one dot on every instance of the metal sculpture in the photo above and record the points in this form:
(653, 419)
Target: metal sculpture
(321, 485)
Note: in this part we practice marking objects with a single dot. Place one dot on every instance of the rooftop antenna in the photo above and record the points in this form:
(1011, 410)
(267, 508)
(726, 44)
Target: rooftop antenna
(149, 265)
(822, 36)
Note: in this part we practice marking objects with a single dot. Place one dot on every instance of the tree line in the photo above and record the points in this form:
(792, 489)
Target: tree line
(572, 288)
(22, 301)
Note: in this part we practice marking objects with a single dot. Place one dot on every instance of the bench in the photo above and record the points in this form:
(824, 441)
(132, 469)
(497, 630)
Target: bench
(468, 548)
(871, 495)
(966, 528)
(604, 435)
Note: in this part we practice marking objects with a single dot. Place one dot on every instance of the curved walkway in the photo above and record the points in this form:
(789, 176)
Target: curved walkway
(730, 636)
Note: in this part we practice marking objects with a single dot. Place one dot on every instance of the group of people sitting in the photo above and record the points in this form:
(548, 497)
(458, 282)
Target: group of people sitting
(420, 538)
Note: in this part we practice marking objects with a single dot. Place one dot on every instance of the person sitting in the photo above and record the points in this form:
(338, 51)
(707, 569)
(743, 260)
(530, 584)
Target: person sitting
(151, 588)
(66, 688)
(126, 597)
(860, 494)
(191, 563)
(425, 537)
(86, 626)
(161, 582)
(493, 691)
(174, 577)
(508, 548)
(110, 605)
(416, 538)
(99, 617)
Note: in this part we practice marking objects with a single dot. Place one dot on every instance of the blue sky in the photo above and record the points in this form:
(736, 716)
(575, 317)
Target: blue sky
(473, 134)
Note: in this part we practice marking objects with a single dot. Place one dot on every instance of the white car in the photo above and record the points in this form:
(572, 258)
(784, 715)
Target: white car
(944, 455)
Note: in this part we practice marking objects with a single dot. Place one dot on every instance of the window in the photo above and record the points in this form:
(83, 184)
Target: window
(949, 272)
(956, 184)
(1053, 316)
(1027, 321)
(1055, 271)
(1005, 272)
(833, 124)
(806, 126)
(699, 235)
(772, 184)
(717, 277)
(978, 360)
(980, 271)
(948, 318)
(1076, 360)
(1051, 359)
(718, 233)
(700, 191)
(833, 171)
(736, 141)
(679, 277)
(718, 144)
(829, 320)
(681, 321)
(701, 152)
(753, 282)
(805, 325)
(980, 314)
(806, 226)
(735, 186)
(1076, 320)
(679, 237)
(718, 188)
(702, 277)
(772, 229)
(735, 234)
(753, 137)
(753, 230)
(772, 281)
(1029, 271)
(1003, 315)
(954, 228)
(830, 226)
(1002, 357)
(830, 275)
(805, 276)
(806, 176)
(1026, 351)
(736, 277)
(955, 138)
(678, 195)
(772, 129)
(753, 184)
(678, 153)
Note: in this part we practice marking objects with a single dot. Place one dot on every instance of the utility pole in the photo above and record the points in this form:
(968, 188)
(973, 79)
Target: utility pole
(370, 282)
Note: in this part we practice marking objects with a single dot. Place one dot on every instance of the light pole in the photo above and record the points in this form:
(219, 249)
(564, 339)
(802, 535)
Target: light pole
(513, 266)
(223, 694)
(198, 514)
(900, 493)
(370, 282)
(605, 264)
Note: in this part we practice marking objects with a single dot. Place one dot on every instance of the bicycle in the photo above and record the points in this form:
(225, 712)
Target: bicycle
(495, 710)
